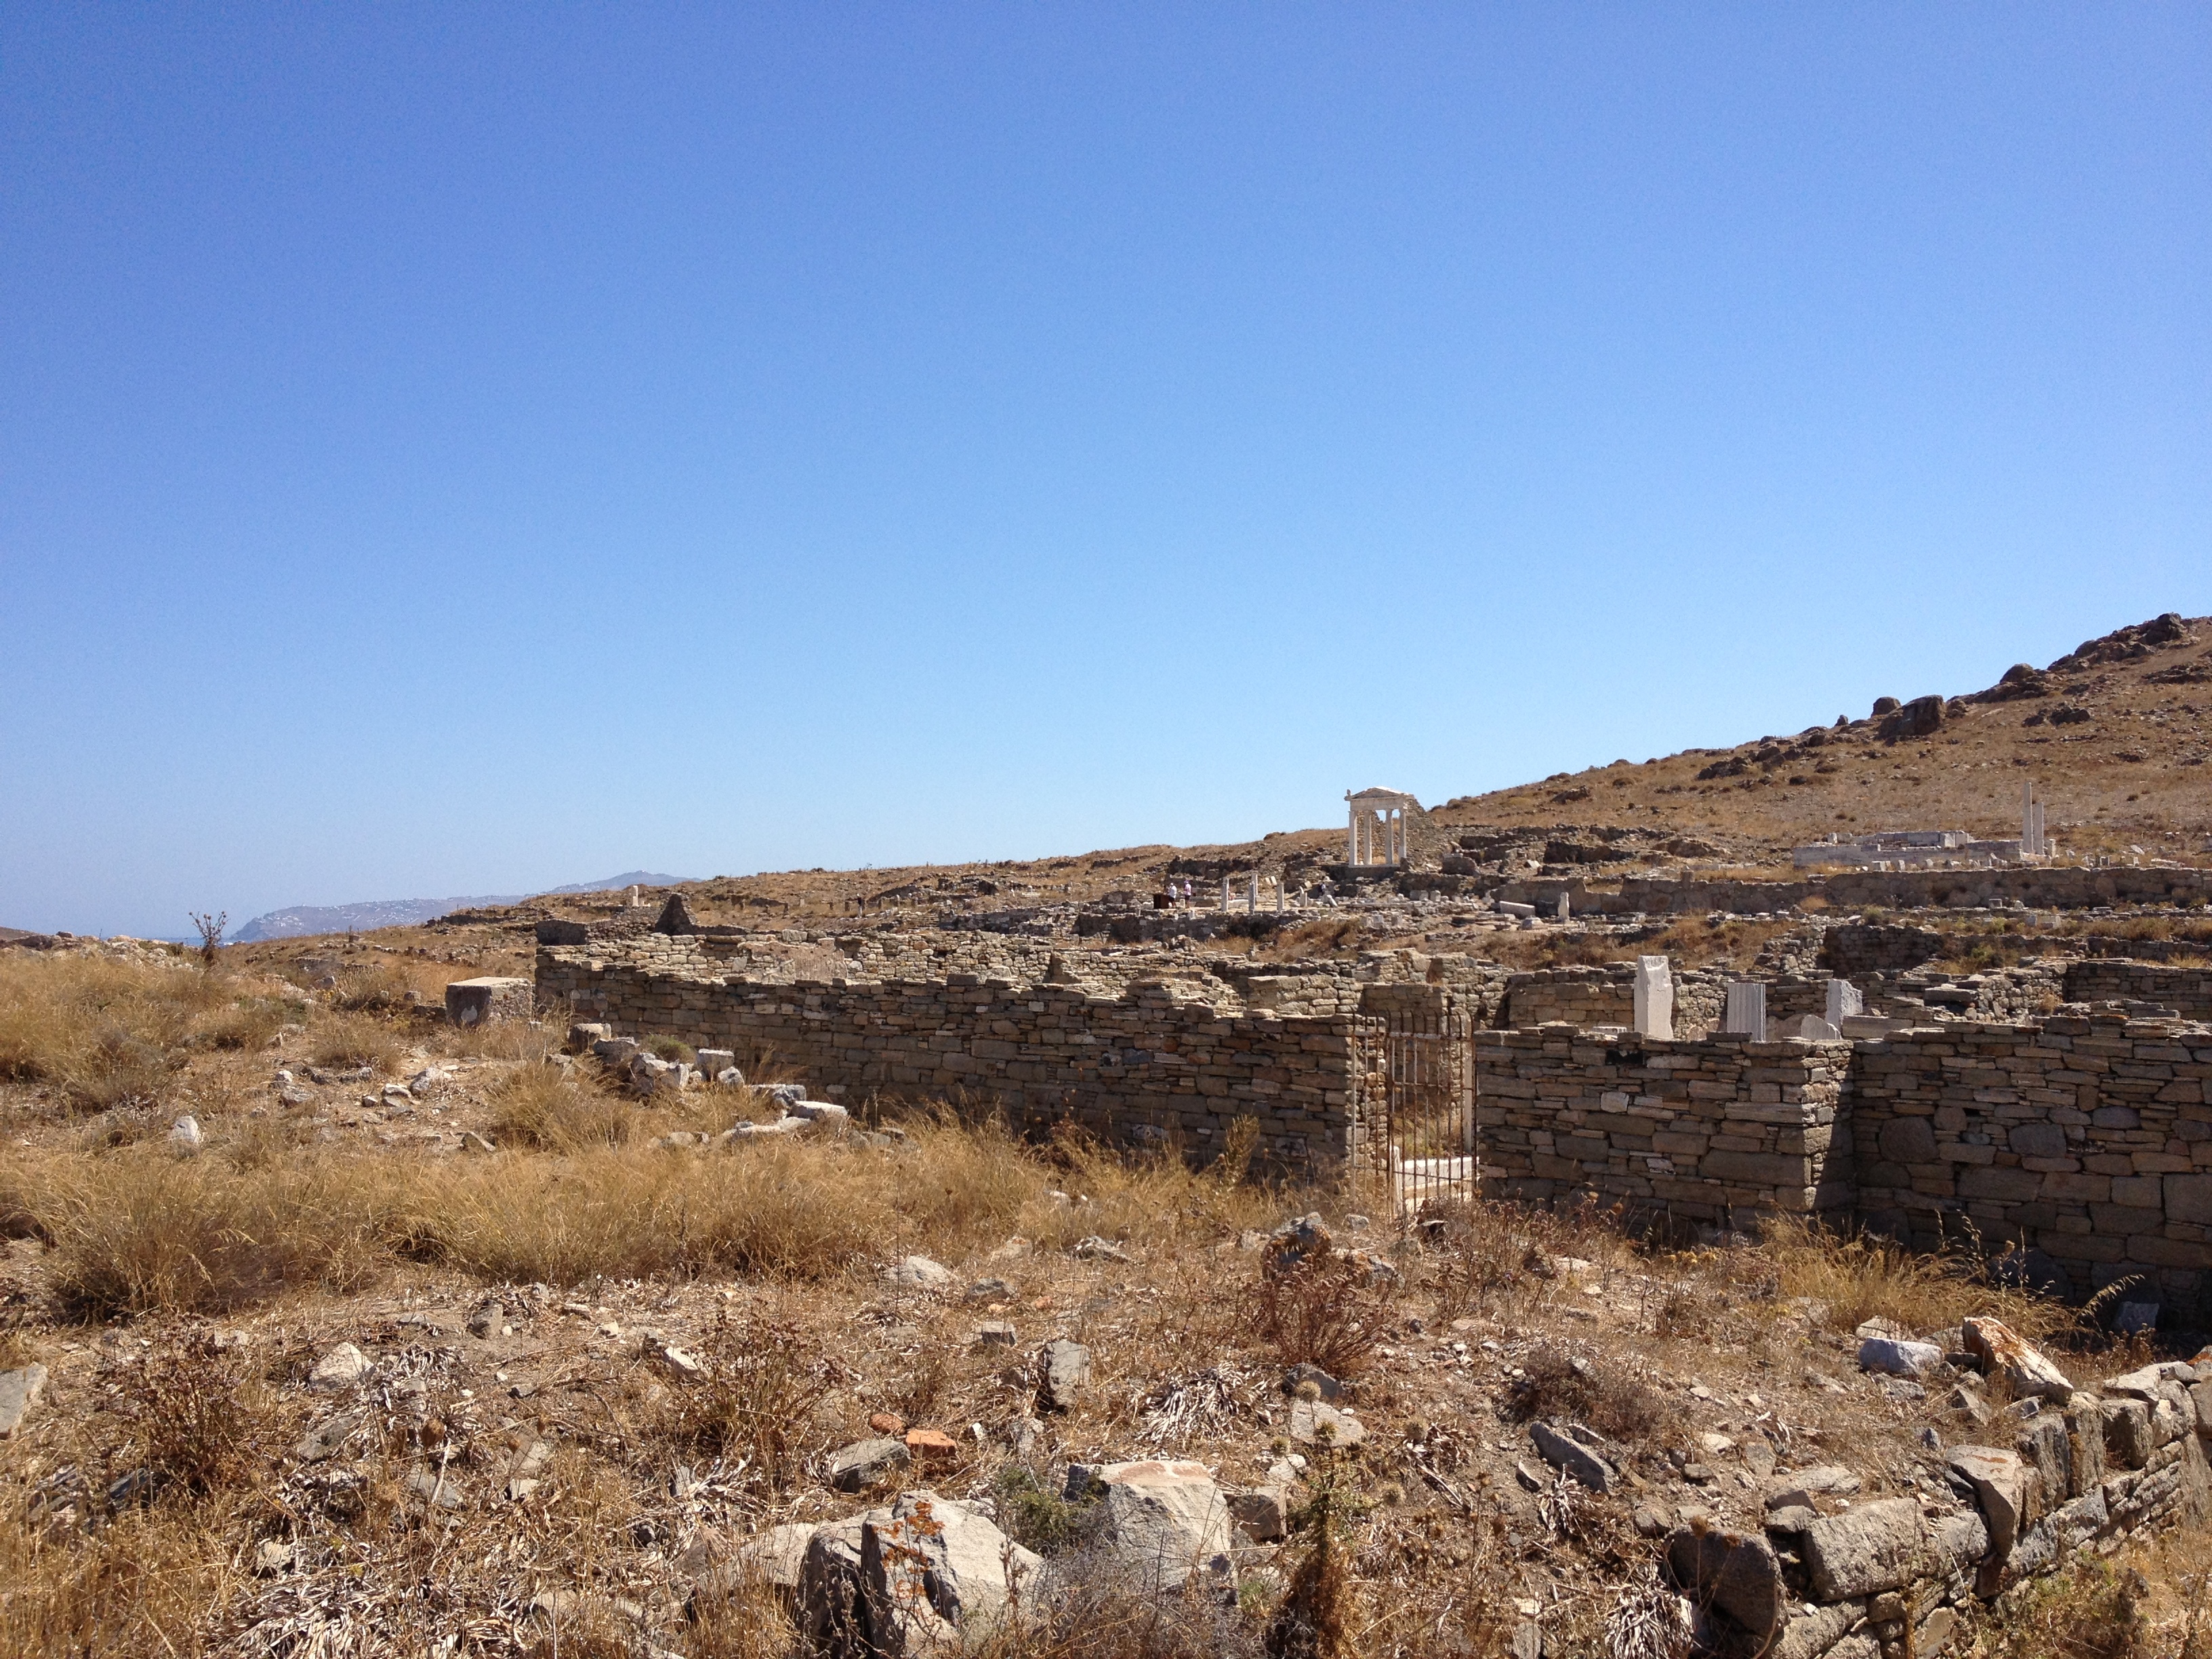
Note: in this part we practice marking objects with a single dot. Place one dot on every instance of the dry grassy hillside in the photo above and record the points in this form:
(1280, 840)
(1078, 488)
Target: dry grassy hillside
(2115, 736)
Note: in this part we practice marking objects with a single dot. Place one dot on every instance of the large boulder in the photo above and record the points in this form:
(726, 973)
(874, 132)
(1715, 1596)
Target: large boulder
(933, 1575)
(1735, 1572)
(1169, 1520)
(1864, 1550)
(2005, 1353)
(2004, 1485)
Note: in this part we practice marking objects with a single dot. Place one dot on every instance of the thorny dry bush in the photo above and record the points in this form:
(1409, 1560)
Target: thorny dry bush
(1326, 1310)
(1556, 1383)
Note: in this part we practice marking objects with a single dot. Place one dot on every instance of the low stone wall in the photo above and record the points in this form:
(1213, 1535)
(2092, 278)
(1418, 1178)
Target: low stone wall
(2187, 991)
(1150, 1065)
(1606, 996)
(2062, 887)
(1891, 1575)
(1718, 1132)
(2089, 1138)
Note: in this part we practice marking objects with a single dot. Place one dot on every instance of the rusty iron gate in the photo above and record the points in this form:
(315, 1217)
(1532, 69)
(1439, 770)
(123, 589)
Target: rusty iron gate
(1414, 1124)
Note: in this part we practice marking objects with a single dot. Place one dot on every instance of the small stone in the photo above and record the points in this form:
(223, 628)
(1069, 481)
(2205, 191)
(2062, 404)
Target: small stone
(184, 1134)
(274, 1556)
(1263, 1514)
(1067, 1367)
(1571, 1457)
(1892, 1357)
(917, 1272)
(679, 1363)
(890, 1423)
(996, 1333)
(866, 1463)
(1095, 1248)
(19, 1392)
(990, 1290)
(343, 1367)
(437, 1487)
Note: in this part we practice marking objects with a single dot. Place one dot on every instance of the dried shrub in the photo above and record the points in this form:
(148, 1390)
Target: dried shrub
(734, 1617)
(632, 1211)
(143, 1230)
(555, 1111)
(346, 1040)
(111, 1034)
(120, 1589)
(1327, 1310)
(1556, 1383)
(1851, 1279)
(1314, 1620)
(766, 1376)
(2092, 1611)
(1498, 1257)
(202, 1418)
(392, 985)
(1038, 1517)
(1100, 1605)
(247, 1023)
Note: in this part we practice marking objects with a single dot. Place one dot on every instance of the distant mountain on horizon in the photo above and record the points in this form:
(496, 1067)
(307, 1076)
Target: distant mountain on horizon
(301, 919)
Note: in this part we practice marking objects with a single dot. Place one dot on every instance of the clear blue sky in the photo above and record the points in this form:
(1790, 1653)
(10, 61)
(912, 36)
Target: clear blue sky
(459, 449)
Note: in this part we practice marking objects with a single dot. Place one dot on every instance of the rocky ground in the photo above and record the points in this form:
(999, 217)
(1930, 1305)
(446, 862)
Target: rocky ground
(424, 1341)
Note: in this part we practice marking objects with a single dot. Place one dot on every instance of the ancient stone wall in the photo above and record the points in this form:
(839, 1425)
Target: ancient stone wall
(2055, 887)
(1717, 1131)
(2187, 991)
(2090, 1138)
(1606, 996)
(1150, 1065)
(1872, 948)
(1909, 1574)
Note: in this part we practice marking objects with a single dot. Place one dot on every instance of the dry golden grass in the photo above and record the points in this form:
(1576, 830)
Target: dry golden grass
(550, 1109)
(152, 1581)
(109, 1033)
(144, 1229)
(1853, 1279)
(349, 1040)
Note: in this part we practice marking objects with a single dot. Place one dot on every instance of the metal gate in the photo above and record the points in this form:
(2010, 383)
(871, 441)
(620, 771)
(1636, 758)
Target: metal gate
(1416, 1121)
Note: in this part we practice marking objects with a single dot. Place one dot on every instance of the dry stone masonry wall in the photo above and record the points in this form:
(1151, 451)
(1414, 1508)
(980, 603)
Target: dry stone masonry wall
(2090, 1138)
(2086, 1136)
(1719, 1132)
(1151, 1064)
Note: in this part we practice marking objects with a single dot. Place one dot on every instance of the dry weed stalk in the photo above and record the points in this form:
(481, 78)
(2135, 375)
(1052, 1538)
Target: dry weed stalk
(1326, 1309)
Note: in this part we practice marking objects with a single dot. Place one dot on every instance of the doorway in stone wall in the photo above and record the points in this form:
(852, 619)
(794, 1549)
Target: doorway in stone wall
(1420, 1146)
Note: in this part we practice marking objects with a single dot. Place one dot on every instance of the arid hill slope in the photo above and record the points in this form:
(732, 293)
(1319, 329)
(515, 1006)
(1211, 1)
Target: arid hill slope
(2115, 736)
